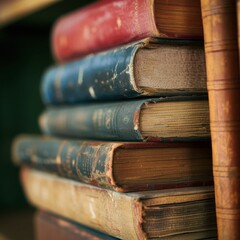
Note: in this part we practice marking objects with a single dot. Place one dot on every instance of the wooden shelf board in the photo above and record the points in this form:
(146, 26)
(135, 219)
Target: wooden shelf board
(12, 10)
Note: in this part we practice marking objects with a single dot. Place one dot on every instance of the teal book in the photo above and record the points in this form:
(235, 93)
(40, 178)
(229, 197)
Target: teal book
(157, 119)
(118, 166)
(150, 67)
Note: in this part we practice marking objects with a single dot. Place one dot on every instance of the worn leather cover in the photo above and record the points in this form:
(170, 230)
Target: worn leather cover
(106, 24)
(123, 215)
(93, 162)
(116, 121)
(104, 76)
(220, 33)
(110, 75)
(53, 227)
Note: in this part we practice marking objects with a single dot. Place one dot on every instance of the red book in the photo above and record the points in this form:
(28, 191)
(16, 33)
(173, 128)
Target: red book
(110, 23)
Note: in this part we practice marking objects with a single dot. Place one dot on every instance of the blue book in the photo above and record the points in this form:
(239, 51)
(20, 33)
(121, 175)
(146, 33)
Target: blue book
(165, 119)
(151, 67)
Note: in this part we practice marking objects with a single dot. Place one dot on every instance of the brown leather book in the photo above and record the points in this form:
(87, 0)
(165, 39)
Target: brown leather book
(221, 47)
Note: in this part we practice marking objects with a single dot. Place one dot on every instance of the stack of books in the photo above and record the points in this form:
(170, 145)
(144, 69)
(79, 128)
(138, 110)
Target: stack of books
(126, 149)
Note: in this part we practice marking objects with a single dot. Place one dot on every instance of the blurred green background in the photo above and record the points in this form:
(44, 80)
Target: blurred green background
(24, 55)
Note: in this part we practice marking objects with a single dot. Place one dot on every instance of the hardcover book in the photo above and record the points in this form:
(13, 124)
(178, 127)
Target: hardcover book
(145, 68)
(183, 213)
(50, 226)
(119, 166)
(110, 23)
(158, 119)
(222, 59)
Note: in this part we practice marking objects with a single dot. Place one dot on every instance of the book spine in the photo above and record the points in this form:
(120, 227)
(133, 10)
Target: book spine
(220, 35)
(86, 162)
(108, 121)
(102, 76)
(102, 25)
(90, 206)
(49, 226)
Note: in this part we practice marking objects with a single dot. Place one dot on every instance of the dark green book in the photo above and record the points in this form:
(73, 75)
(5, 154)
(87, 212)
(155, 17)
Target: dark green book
(146, 68)
(160, 119)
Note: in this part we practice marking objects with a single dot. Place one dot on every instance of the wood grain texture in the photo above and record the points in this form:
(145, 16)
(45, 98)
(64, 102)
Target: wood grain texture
(220, 33)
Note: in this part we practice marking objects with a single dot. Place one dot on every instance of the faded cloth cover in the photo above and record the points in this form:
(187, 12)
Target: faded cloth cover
(123, 215)
(107, 23)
